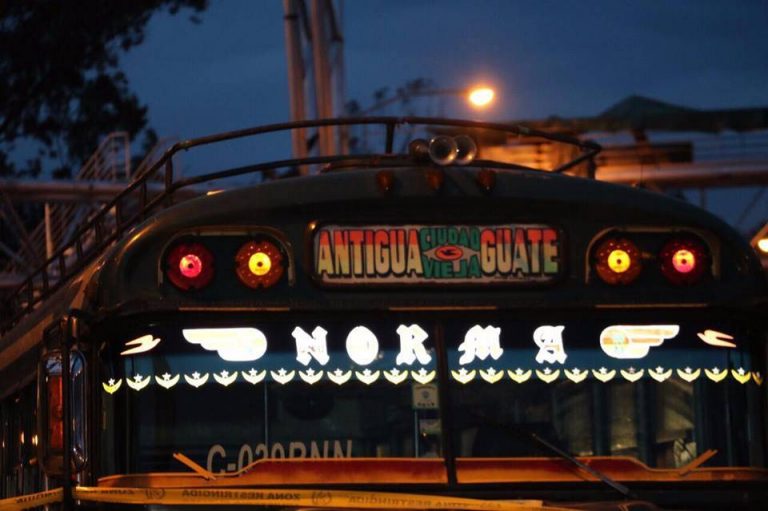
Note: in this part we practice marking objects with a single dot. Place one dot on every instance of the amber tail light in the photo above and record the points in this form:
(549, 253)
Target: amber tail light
(259, 264)
(617, 261)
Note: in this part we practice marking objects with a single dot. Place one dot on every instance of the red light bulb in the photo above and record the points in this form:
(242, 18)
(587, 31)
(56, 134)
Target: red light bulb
(190, 266)
(684, 261)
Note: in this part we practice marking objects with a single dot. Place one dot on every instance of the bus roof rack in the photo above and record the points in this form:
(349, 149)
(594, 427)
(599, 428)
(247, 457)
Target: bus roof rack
(139, 199)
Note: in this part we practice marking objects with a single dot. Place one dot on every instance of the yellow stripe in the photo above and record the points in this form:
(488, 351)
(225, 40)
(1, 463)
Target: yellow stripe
(271, 497)
(298, 498)
(32, 500)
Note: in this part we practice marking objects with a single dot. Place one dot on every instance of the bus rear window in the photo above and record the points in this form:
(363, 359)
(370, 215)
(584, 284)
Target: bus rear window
(227, 392)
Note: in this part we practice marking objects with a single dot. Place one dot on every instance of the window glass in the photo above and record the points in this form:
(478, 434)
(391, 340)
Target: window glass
(227, 392)
(658, 391)
(226, 398)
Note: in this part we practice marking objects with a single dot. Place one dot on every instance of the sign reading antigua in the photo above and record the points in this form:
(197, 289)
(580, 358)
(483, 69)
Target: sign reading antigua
(442, 254)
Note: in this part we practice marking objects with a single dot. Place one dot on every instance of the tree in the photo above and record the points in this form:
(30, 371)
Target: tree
(61, 86)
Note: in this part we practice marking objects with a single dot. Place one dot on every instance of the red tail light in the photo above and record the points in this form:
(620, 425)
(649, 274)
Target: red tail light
(259, 264)
(683, 261)
(55, 412)
(189, 266)
(617, 261)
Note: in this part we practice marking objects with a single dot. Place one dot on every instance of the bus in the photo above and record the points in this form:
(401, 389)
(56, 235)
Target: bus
(415, 327)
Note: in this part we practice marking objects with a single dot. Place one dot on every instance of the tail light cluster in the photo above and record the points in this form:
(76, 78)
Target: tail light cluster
(258, 263)
(682, 260)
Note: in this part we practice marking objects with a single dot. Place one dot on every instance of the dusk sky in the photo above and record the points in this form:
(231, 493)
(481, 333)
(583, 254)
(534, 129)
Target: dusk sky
(545, 57)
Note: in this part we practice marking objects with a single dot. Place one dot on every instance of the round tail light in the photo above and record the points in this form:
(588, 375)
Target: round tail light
(617, 261)
(259, 264)
(683, 261)
(189, 266)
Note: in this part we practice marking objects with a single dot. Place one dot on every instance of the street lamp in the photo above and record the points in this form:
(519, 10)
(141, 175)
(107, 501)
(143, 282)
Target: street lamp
(480, 97)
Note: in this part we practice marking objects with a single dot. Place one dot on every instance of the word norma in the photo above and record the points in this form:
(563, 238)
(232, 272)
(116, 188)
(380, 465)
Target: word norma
(246, 455)
(249, 344)
(381, 254)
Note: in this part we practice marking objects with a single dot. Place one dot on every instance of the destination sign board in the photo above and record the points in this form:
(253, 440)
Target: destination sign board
(437, 254)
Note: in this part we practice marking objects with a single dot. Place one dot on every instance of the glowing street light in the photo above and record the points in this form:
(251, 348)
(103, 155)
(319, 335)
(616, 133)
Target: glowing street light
(480, 97)
(762, 245)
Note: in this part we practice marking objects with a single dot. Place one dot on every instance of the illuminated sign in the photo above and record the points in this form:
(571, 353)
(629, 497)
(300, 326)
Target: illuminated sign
(549, 339)
(493, 351)
(232, 344)
(437, 254)
(715, 338)
(142, 345)
(631, 341)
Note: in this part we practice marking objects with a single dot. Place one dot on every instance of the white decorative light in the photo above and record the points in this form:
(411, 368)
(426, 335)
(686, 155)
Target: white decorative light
(111, 386)
(367, 377)
(549, 339)
(138, 382)
(339, 377)
(520, 376)
(282, 376)
(491, 375)
(310, 376)
(716, 374)
(225, 377)
(463, 376)
(688, 374)
(362, 345)
(479, 343)
(412, 345)
(311, 346)
(142, 344)
(632, 375)
(576, 375)
(232, 344)
(196, 380)
(547, 375)
(603, 374)
(659, 374)
(167, 381)
(253, 376)
(634, 341)
(423, 376)
(396, 376)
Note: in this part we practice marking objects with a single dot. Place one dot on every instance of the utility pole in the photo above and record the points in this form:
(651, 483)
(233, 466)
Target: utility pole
(314, 51)
(295, 74)
(323, 87)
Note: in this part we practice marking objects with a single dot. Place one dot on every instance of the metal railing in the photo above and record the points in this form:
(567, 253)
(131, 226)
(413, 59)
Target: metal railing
(110, 162)
(135, 203)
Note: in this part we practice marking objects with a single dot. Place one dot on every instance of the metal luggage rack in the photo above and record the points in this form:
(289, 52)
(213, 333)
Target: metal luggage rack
(140, 198)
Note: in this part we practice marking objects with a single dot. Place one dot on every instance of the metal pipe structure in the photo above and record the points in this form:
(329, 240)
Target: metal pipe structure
(296, 77)
(322, 74)
(21, 190)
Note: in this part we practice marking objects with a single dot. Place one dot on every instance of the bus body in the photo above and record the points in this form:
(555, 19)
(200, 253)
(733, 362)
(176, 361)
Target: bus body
(400, 325)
